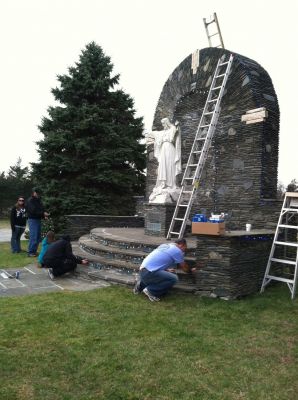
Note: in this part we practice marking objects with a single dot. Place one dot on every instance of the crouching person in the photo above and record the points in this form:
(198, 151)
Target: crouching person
(60, 259)
(157, 272)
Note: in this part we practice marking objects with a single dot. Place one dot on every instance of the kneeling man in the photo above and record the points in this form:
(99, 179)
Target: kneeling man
(60, 259)
(157, 272)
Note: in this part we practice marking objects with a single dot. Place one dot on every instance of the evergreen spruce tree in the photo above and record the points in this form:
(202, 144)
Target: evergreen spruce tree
(91, 158)
(17, 182)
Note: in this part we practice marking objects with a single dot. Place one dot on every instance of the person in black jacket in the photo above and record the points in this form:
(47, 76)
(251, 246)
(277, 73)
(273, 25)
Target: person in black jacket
(60, 259)
(18, 224)
(35, 212)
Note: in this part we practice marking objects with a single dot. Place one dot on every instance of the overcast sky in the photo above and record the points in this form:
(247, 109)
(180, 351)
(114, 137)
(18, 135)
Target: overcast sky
(146, 40)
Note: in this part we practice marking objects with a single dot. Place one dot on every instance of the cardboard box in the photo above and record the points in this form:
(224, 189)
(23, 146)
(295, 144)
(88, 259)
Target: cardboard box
(208, 228)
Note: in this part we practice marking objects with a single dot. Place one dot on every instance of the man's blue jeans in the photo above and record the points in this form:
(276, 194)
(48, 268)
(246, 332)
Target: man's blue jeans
(16, 239)
(35, 235)
(158, 282)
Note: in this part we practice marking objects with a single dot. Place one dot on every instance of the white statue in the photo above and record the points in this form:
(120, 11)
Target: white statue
(167, 150)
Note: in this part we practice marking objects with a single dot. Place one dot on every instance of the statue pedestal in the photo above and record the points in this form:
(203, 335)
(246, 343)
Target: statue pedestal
(158, 218)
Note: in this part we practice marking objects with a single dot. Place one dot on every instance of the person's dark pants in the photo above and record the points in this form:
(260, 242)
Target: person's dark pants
(16, 239)
(60, 267)
(158, 282)
(35, 235)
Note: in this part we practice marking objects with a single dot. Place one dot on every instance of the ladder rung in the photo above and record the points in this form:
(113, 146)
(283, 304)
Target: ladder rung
(213, 34)
(288, 226)
(186, 191)
(204, 126)
(210, 22)
(208, 113)
(219, 76)
(292, 244)
(277, 278)
(182, 205)
(179, 219)
(174, 233)
(283, 261)
(225, 63)
(290, 209)
(192, 165)
(201, 138)
(197, 151)
(190, 178)
(217, 87)
(211, 101)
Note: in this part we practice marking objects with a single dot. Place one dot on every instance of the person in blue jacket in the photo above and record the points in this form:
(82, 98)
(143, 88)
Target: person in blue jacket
(47, 241)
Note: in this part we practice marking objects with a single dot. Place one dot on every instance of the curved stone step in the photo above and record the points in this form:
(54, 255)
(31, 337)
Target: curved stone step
(113, 267)
(133, 239)
(99, 262)
(130, 255)
(119, 278)
(120, 243)
(95, 248)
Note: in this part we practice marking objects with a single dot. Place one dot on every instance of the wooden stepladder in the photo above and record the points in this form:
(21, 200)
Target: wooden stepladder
(213, 31)
(283, 258)
(200, 147)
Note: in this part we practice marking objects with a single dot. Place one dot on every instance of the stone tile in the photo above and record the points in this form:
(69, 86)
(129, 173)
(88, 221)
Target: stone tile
(35, 280)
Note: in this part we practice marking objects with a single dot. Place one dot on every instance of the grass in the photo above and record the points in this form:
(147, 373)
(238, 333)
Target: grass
(9, 260)
(110, 344)
(4, 224)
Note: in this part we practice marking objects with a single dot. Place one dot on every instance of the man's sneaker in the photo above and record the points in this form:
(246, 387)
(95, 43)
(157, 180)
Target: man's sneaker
(32, 254)
(150, 296)
(137, 288)
(50, 273)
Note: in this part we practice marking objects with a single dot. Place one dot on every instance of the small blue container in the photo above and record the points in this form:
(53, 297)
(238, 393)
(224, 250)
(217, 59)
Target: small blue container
(199, 218)
(17, 274)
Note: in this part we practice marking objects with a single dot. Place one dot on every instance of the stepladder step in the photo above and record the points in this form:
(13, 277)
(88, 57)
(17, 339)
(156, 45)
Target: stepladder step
(283, 259)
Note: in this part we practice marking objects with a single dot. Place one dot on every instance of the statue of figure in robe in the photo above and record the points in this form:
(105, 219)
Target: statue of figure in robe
(167, 150)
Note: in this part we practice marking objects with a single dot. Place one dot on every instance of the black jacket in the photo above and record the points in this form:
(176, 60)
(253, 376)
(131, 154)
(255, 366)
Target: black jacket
(35, 208)
(18, 217)
(59, 251)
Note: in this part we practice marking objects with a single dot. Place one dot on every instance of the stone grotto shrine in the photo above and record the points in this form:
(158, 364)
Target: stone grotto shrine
(239, 179)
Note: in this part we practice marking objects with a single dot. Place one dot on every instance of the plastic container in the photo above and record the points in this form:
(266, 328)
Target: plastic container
(199, 218)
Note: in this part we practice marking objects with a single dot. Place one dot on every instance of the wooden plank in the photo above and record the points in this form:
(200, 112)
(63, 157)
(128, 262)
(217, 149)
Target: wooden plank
(255, 121)
(248, 117)
(256, 110)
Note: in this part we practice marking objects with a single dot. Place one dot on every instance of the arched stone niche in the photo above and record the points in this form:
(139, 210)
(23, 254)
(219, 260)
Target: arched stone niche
(240, 176)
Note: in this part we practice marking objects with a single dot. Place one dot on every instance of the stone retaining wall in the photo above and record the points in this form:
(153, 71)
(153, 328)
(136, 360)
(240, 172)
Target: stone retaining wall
(79, 225)
(234, 266)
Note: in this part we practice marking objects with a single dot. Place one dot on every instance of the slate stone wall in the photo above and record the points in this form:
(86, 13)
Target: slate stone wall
(233, 266)
(78, 225)
(139, 200)
(240, 176)
(158, 218)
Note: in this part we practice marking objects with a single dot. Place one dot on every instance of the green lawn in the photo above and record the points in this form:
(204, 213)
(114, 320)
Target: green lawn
(111, 344)
(9, 260)
(4, 223)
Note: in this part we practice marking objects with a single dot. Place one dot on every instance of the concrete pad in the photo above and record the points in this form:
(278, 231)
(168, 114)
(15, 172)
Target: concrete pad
(34, 280)
(5, 235)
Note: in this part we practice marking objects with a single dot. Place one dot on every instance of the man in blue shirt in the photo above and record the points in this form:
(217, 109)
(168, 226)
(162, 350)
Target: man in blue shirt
(157, 269)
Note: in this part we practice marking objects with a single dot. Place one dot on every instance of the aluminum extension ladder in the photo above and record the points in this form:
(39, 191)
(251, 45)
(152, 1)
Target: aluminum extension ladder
(199, 150)
(284, 251)
(215, 31)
